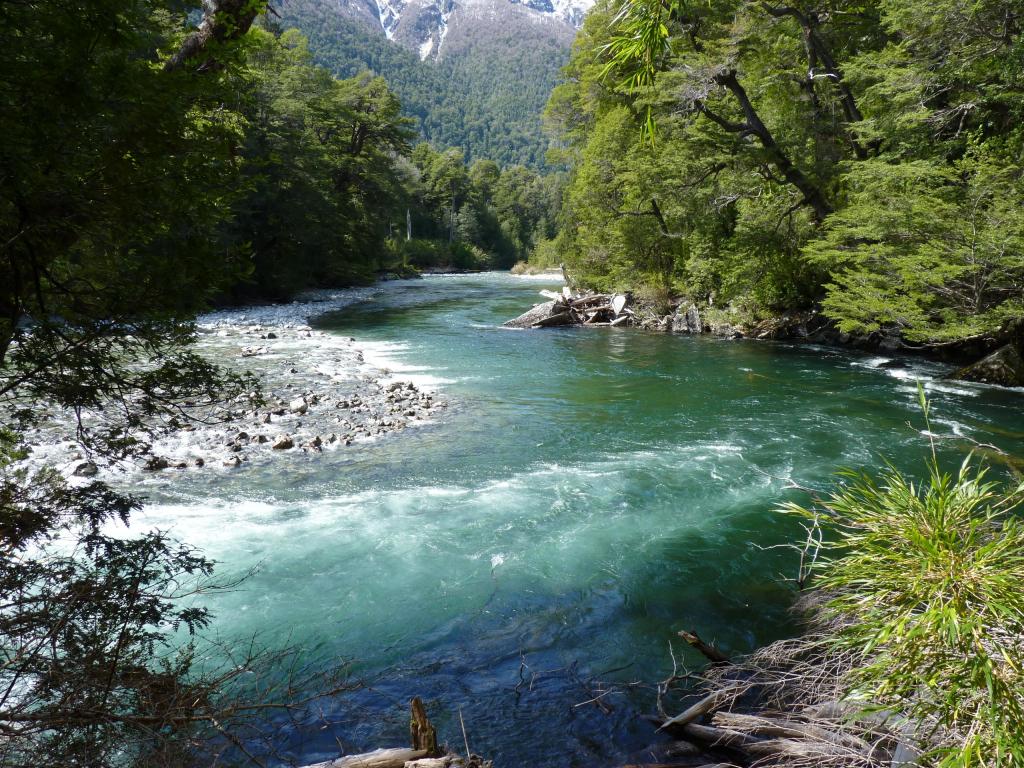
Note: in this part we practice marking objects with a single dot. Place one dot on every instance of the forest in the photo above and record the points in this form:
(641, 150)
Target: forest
(592, 493)
(762, 157)
(270, 167)
(486, 100)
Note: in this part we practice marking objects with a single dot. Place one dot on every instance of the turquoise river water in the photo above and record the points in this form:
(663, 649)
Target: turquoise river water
(587, 494)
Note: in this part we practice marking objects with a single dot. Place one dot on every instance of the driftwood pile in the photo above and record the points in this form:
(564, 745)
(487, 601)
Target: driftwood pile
(792, 716)
(424, 752)
(569, 308)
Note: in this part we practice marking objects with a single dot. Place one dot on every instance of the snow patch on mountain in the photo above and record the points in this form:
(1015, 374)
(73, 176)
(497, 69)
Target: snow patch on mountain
(423, 24)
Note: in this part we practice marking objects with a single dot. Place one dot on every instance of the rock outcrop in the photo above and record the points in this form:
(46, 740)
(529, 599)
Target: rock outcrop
(1004, 367)
(687, 320)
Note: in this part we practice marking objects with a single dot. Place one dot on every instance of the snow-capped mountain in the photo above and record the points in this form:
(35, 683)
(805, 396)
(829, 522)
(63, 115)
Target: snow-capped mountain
(423, 25)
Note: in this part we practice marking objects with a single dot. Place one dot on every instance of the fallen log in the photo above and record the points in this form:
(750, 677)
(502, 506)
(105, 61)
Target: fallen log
(563, 309)
(761, 725)
(379, 758)
(702, 707)
(596, 298)
(562, 318)
(531, 316)
(423, 753)
(798, 748)
(718, 737)
(711, 653)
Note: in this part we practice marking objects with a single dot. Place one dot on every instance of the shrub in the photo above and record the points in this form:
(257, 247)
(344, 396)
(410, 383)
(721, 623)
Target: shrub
(657, 297)
(924, 582)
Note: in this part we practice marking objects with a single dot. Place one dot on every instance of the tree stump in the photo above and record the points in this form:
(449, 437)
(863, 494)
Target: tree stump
(422, 733)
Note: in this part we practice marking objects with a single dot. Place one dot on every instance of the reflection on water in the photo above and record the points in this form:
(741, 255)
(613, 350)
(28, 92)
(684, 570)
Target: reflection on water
(589, 493)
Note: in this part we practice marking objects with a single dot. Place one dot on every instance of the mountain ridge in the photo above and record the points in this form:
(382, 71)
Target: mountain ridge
(473, 74)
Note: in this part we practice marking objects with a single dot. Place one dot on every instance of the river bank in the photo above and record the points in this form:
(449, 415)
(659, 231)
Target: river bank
(996, 358)
(321, 393)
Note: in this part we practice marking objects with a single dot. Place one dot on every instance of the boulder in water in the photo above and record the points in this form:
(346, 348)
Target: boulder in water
(1004, 367)
(156, 463)
(85, 469)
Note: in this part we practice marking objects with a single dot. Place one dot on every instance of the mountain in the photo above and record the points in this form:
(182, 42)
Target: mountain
(471, 73)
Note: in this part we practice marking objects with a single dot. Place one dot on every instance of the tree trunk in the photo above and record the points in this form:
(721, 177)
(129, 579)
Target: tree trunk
(813, 196)
(223, 21)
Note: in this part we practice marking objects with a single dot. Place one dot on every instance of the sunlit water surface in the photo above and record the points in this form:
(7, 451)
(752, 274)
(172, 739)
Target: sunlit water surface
(588, 493)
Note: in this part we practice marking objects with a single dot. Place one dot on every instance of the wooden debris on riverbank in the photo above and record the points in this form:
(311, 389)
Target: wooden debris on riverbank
(780, 707)
(570, 308)
(424, 752)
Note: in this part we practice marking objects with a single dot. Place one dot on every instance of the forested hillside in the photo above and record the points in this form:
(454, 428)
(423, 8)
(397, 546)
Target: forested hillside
(486, 98)
(861, 156)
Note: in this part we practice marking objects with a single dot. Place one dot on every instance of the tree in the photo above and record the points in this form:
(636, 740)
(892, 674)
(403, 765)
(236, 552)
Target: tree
(111, 223)
(861, 158)
(320, 170)
(930, 250)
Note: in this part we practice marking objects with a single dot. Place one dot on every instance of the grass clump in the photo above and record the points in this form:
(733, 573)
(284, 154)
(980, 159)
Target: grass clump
(925, 586)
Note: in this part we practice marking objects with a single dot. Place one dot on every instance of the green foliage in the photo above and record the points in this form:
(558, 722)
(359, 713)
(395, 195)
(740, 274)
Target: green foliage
(485, 98)
(322, 184)
(864, 158)
(500, 213)
(438, 254)
(932, 249)
(923, 586)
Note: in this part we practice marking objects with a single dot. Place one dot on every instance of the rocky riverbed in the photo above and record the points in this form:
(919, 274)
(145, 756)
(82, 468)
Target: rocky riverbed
(320, 394)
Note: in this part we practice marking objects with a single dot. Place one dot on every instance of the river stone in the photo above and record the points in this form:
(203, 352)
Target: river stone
(1005, 367)
(299, 405)
(283, 443)
(85, 469)
(157, 463)
(687, 321)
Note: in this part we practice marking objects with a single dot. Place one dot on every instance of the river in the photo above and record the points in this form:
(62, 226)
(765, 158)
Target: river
(588, 493)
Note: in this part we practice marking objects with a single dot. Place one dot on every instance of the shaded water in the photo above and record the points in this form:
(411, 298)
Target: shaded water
(588, 493)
